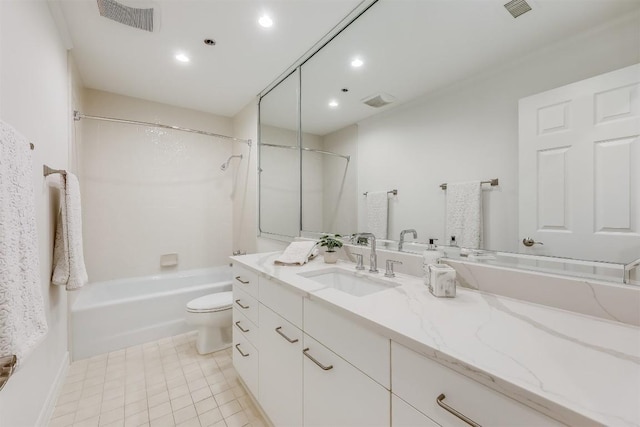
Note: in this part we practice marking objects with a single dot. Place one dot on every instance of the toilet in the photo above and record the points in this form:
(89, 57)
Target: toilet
(211, 315)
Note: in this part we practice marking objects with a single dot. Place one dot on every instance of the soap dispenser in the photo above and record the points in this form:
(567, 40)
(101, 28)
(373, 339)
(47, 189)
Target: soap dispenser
(430, 256)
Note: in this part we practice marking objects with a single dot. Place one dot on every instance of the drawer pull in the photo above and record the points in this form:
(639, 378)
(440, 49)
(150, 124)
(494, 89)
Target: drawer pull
(323, 367)
(244, 282)
(240, 304)
(240, 351)
(440, 402)
(240, 327)
(284, 336)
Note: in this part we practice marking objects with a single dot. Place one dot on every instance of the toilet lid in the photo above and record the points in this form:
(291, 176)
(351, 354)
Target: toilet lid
(212, 302)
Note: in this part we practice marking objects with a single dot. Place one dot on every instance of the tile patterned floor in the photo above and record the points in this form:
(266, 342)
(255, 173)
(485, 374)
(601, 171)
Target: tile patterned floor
(161, 383)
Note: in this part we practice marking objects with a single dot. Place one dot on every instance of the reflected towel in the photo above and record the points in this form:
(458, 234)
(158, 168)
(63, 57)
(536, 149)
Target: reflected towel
(22, 318)
(68, 257)
(377, 213)
(464, 213)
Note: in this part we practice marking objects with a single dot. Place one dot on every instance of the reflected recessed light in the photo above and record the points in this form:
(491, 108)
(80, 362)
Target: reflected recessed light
(357, 63)
(265, 21)
(182, 57)
(333, 104)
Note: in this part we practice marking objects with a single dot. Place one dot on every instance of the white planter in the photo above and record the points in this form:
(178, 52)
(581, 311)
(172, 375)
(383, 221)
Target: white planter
(331, 257)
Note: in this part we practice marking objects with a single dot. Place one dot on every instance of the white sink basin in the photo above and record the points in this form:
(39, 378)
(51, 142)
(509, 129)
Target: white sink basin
(351, 282)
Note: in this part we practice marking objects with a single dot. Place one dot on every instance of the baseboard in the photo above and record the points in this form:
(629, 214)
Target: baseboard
(255, 403)
(54, 391)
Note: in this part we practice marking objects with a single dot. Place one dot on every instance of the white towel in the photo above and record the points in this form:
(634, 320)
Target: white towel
(464, 213)
(377, 213)
(297, 253)
(68, 257)
(22, 318)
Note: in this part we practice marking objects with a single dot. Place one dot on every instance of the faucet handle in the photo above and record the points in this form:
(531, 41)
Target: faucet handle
(359, 259)
(389, 272)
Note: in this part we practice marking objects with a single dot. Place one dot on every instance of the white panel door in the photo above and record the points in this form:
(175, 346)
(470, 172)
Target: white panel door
(580, 168)
(338, 395)
(280, 369)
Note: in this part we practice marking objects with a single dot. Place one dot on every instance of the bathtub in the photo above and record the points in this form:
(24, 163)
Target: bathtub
(116, 314)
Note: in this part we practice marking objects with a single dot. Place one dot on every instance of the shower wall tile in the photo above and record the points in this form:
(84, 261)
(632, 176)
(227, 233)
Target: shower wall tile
(150, 191)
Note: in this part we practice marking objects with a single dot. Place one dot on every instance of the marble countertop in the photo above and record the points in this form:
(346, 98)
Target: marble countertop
(578, 369)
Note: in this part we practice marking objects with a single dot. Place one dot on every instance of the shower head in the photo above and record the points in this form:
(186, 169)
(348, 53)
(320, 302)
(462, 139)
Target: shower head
(225, 165)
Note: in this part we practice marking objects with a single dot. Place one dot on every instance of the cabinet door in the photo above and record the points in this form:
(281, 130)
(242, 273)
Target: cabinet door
(336, 394)
(405, 415)
(280, 369)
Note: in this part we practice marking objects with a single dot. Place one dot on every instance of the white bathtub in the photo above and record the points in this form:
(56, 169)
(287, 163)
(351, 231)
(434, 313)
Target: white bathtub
(116, 314)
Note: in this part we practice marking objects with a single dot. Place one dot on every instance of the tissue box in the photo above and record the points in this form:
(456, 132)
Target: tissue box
(441, 280)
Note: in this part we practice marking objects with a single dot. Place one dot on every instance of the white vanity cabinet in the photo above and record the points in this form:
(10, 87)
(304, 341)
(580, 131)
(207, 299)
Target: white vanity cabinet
(337, 394)
(246, 326)
(420, 382)
(405, 415)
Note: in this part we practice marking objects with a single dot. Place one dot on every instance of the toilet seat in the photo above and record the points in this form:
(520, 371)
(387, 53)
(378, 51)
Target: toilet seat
(211, 303)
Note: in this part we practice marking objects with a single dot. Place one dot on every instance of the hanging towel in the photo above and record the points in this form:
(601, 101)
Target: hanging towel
(68, 258)
(377, 213)
(22, 318)
(464, 213)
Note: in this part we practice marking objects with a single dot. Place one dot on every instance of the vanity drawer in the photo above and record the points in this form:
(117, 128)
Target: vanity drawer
(283, 301)
(245, 361)
(246, 304)
(245, 279)
(420, 381)
(363, 348)
(242, 325)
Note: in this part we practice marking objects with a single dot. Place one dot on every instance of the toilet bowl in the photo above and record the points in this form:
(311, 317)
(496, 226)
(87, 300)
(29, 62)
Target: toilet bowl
(212, 316)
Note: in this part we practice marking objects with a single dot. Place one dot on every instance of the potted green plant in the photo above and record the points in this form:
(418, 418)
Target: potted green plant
(331, 242)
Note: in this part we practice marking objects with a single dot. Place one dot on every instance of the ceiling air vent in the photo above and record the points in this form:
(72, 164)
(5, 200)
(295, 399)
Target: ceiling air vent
(379, 100)
(131, 16)
(517, 7)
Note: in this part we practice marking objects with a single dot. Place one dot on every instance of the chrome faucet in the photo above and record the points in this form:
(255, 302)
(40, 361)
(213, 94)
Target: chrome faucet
(373, 259)
(402, 233)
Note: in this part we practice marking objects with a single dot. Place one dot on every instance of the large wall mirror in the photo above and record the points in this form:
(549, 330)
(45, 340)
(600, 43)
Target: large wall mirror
(419, 93)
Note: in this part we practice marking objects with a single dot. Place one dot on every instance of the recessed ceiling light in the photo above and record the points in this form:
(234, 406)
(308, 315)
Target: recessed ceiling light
(265, 21)
(333, 103)
(357, 62)
(182, 57)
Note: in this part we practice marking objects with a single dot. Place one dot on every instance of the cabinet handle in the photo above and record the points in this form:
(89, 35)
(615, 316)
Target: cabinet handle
(284, 336)
(239, 279)
(240, 304)
(440, 402)
(240, 327)
(323, 367)
(240, 351)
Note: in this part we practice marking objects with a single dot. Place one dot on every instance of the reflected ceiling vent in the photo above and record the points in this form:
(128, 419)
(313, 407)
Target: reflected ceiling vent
(517, 7)
(131, 16)
(379, 100)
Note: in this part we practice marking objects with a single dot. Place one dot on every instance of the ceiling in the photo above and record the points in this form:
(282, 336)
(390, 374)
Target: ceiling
(219, 79)
(414, 47)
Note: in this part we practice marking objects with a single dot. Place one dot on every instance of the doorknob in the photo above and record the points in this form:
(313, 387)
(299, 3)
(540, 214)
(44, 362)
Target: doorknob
(528, 242)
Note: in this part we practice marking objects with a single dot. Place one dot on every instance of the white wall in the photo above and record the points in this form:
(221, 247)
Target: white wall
(151, 191)
(34, 98)
(470, 132)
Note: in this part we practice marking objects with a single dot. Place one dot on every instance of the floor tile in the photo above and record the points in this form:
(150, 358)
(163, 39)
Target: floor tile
(230, 408)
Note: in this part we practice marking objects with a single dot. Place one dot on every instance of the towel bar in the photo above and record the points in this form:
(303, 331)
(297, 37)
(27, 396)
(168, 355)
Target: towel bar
(493, 183)
(7, 365)
(394, 192)
(46, 171)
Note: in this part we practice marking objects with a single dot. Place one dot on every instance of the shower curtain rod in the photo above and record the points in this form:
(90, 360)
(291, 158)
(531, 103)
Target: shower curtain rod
(77, 116)
(292, 147)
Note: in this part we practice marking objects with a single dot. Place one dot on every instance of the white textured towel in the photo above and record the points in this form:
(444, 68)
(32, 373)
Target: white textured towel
(68, 257)
(297, 253)
(377, 213)
(464, 213)
(22, 318)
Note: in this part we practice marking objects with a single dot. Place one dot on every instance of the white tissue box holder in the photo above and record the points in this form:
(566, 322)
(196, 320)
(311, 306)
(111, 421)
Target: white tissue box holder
(441, 280)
